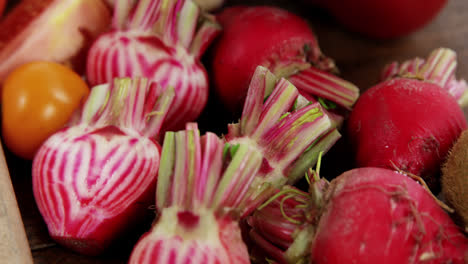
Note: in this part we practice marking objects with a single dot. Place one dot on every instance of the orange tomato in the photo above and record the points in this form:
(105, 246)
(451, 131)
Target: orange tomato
(38, 99)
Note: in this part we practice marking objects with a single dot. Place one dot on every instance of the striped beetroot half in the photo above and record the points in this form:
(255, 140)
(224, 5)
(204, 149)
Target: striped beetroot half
(93, 178)
(161, 40)
(201, 183)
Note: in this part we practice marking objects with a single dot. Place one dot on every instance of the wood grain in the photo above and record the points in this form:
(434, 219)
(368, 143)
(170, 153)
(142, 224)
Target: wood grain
(14, 247)
(360, 60)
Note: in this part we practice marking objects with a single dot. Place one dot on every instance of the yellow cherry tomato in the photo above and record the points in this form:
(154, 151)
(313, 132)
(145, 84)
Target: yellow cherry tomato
(38, 98)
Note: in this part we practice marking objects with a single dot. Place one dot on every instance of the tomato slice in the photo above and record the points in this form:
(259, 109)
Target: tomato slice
(38, 99)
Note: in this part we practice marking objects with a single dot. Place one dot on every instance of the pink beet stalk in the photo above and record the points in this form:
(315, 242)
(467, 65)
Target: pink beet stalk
(282, 229)
(286, 130)
(93, 179)
(274, 228)
(438, 68)
(202, 181)
(311, 156)
(313, 81)
(163, 41)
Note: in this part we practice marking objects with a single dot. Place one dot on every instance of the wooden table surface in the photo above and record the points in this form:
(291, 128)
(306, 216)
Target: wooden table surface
(360, 60)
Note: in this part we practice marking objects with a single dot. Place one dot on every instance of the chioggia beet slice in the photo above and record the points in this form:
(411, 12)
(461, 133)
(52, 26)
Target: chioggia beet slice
(161, 40)
(204, 4)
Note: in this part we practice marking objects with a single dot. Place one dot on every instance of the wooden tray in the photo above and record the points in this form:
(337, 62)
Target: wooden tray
(360, 60)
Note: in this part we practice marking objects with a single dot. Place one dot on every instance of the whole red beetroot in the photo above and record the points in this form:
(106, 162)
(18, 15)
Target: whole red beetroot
(410, 123)
(280, 41)
(405, 122)
(366, 215)
(385, 18)
(376, 215)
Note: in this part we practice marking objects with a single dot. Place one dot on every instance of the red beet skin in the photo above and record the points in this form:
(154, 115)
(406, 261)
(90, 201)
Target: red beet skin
(254, 36)
(377, 215)
(384, 18)
(406, 122)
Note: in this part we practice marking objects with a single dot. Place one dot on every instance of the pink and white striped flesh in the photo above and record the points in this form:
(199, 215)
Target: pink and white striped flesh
(288, 132)
(201, 183)
(162, 40)
(214, 241)
(439, 68)
(95, 177)
(204, 4)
